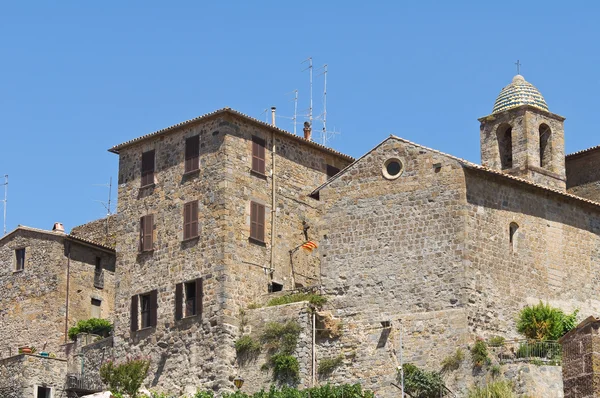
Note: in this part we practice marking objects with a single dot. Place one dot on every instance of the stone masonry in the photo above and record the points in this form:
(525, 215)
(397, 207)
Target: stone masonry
(583, 174)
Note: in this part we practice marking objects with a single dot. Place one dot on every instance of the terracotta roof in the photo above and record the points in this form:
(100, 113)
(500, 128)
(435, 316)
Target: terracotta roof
(470, 165)
(117, 148)
(583, 151)
(58, 234)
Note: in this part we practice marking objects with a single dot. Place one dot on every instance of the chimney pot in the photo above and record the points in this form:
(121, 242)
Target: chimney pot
(273, 115)
(58, 227)
(307, 131)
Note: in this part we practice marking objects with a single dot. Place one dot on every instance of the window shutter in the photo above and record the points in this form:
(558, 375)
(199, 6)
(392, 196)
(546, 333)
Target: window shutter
(147, 226)
(178, 301)
(199, 296)
(134, 313)
(194, 218)
(153, 307)
(258, 155)
(257, 221)
(186, 220)
(141, 248)
(253, 218)
(148, 168)
(260, 223)
(192, 153)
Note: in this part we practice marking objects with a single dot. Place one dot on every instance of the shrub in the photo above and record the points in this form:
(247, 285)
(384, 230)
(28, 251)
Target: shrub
(421, 383)
(125, 378)
(453, 361)
(496, 341)
(479, 354)
(494, 389)
(314, 299)
(543, 322)
(328, 365)
(247, 348)
(253, 306)
(286, 368)
(281, 339)
(102, 327)
(204, 394)
(495, 371)
(326, 391)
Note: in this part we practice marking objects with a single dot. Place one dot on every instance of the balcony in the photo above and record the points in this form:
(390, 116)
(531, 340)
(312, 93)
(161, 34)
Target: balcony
(83, 384)
(99, 279)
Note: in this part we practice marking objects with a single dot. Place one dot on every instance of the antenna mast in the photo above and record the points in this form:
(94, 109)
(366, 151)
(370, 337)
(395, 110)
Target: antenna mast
(310, 74)
(108, 204)
(325, 105)
(5, 201)
(295, 109)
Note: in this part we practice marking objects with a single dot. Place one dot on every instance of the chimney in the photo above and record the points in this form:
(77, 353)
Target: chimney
(273, 116)
(307, 131)
(58, 227)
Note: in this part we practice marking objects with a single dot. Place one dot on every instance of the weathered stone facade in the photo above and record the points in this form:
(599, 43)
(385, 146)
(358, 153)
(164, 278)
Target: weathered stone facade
(21, 375)
(581, 360)
(583, 174)
(102, 231)
(33, 301)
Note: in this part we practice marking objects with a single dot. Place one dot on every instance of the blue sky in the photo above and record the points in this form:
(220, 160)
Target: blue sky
(78, 77)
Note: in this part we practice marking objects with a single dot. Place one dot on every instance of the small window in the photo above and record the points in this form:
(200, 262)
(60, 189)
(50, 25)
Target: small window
(512, 232)
(146, 233)
(275, 287)
(96, 308)
(43, 392)
(144, 307)
(258, 155)
(331, 171)
(147, 168)
(505, 150)
(257, 221)
(545, 140)
(190, 220)
(392, 168)
(192, 154)
(188, 299)
(98, 264)
(20, 259)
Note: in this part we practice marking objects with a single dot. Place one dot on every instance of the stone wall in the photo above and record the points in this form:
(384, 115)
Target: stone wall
(21, 374)
(583, 174)
(102, 231)
(580, 360)
(33, 301)
(554, 256)
(235, 271)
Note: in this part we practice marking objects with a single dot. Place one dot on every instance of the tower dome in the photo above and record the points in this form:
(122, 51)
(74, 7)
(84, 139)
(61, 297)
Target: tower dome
(517, 93)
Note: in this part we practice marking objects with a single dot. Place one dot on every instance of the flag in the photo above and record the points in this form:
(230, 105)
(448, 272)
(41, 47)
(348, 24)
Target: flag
(310, 245)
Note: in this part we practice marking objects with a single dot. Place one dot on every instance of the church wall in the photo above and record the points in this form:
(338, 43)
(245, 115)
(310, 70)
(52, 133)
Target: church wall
(554, 258)
(583, 174)
(394, 250)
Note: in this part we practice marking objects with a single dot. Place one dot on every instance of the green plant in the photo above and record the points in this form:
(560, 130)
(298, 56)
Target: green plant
(247, 348)
(253, 306)
(328, 365)
(543, 322)
(33, 349)
(204, 394)
(286, 368)
(154, 394)
(539, 349)
(452, 362)
(314, 299)
(126, 377)
(494, 389)
(102, 327)
(496, 341)
(326, 391)
(479, 354)
(281, 340)
(420, 383)
(495, 370)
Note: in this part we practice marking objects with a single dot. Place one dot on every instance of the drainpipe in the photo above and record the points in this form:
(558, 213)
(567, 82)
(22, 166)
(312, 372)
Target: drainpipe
(273, 204)
(67, 302)
(314, 348)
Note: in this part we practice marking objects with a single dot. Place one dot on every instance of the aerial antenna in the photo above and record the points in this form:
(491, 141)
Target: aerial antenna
(266, 115)
(326, 135)
(5, 201)
(108, 204)
(310, 74)
(295, 117)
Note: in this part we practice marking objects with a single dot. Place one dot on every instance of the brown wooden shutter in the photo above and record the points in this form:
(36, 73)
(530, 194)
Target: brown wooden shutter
(190, 220)
(153, 307)
(186, 220)
(192, 153)
(178, 301)
(134, 313)
(199, 296)
(148, 168)
(258, 155)
(194, 218)
(257, 221)
(146, 232)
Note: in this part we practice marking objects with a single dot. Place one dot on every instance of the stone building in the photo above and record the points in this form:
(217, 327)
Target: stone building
(49, 280)
(413, 244)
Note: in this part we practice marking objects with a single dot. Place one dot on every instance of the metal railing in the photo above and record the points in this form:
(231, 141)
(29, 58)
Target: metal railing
(78, 382)
(532, 351)
(99, 279)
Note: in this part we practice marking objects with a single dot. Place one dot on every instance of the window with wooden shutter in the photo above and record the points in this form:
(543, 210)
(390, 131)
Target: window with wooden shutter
(146, 233)
(190, 220)
(192, 153)
(178, 301)
(257, 221)
(153, 307)
(199, 295)
(148, 168)
(258, 155)
(134, 313)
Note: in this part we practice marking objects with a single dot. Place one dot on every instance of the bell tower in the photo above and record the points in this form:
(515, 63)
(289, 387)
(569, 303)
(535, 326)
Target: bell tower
(523, 138)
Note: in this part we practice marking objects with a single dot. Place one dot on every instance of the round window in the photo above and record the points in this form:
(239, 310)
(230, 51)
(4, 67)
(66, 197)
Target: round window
(392, 168)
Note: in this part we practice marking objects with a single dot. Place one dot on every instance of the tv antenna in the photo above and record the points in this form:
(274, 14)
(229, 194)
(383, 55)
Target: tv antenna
(310, 74)
(295, 117)
(108, 204)
(5, 201)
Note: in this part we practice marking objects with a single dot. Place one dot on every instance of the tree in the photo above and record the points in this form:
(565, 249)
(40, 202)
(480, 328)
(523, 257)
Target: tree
(125, 378)
(543, 322)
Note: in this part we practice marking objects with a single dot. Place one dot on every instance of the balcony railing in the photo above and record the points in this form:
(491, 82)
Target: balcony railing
(532, 351)
(99, 279)
(81, 383)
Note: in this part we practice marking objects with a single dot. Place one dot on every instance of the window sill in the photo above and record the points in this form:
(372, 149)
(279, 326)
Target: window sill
(191, 172)
(190, 239)
(257, 242)
(148, 186)
(142, 252)
(258, 174)
(18, 271)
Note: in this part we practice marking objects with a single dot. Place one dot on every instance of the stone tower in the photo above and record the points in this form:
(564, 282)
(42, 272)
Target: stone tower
(523, 138)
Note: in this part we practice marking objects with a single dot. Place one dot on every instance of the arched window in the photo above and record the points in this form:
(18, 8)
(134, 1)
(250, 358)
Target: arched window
(504, 136)
(545, 152)
(513, 235)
